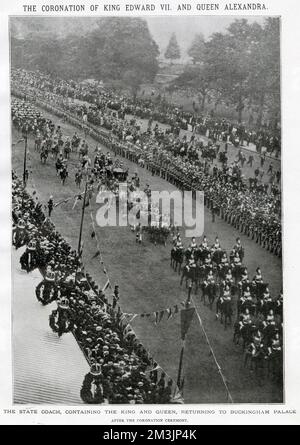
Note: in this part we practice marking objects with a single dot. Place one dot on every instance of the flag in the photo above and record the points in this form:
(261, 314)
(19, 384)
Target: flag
(107, 284)
(58, 203)
(186, 319)
(169, 312)
(77, 198)
(177, 397)
(154, 369)
(96, 254)
(133, 317)
(161, 314)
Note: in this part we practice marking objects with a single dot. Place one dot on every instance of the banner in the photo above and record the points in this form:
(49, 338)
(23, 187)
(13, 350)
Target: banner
(186, 319)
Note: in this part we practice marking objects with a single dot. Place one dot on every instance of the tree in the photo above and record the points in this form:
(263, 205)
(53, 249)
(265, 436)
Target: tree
(118, 50)
(264, 72)
(229, 57)
(123, 49)
(195, 79)
(173, 50)
(197, 48)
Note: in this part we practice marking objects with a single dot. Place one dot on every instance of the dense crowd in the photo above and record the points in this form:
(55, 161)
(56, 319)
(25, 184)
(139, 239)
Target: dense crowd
(254, 208)
(154, 110)
(122, 371)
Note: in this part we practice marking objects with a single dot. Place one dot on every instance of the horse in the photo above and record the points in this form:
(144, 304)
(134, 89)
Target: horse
(209, 290)
(67, 151)
(78, 179)
(274, 364)
(44, 156)
(237, 271)
(188, 273)
(257, 357)
(224, 308)
(177, 256)
(37, 143)
(55, 151)
(245, 333)
(63, 175)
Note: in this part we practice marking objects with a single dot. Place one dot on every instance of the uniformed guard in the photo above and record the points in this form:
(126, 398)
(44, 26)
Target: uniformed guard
(193, 244)
(116, 296)
(50, 205)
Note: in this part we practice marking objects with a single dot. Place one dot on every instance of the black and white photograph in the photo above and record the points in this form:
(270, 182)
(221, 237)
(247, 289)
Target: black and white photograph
(122, 130)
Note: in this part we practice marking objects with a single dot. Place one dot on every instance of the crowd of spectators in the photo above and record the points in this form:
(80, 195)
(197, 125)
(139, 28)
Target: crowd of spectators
(218, 129)
(122, 371)
(254, 208)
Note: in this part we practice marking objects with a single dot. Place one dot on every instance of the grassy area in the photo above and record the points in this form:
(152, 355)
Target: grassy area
(147, 283)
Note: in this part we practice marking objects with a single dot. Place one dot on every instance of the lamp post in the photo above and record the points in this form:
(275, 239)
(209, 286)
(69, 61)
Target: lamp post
(25, 136)
(82, 218)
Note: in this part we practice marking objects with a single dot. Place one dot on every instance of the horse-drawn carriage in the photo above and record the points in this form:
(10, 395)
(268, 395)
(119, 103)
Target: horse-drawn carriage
(120, 174)
(158, 234)
(116, 173)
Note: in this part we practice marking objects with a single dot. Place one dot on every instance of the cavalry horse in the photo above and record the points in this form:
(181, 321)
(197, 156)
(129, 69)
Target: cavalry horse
(44, 156)
(210, 291)
(189, 274)
(177, 257)
(224, 309)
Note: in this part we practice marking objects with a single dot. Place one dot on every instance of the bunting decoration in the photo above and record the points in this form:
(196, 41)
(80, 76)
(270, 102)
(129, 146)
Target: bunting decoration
(62, 202)
(96, 254)
(169, 312)
(106, 286)
(77, 198)
(158, 316)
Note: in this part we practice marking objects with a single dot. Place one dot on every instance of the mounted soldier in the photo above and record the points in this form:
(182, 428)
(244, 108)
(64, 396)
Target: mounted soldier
(239, 249)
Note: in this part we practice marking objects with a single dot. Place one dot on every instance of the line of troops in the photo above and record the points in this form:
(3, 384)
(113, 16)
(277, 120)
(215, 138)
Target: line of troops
(259, 317)
(187, 179)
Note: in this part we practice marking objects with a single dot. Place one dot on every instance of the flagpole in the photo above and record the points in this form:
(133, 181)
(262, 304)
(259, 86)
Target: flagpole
(25, 134)
(186, 318)
(180, 365)
(82, 218)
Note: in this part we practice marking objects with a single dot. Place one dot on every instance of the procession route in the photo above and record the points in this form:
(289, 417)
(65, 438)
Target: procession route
(47, 369)
(148, 283)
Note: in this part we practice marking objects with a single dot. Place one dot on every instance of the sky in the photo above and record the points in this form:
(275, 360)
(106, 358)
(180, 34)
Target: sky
(185, 28)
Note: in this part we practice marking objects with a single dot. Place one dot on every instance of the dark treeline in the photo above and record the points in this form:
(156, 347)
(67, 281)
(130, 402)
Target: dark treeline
(240, 67)
(119, 51)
